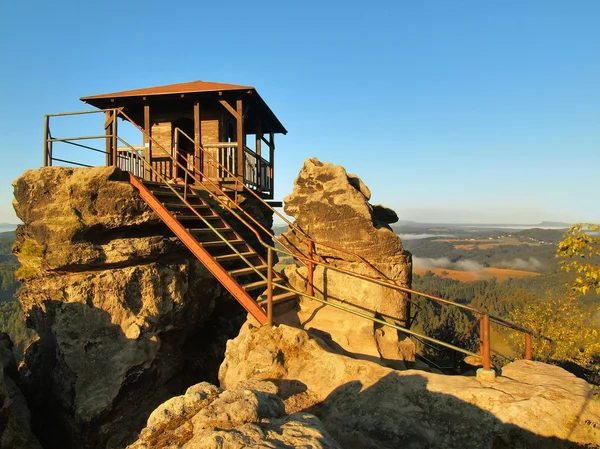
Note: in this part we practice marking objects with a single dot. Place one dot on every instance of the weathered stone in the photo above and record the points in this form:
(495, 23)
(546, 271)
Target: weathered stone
(384, 214)
(365, 405)
(237, 418)
(359, 185)
(333, 208)
(120, 307)
(15, 417)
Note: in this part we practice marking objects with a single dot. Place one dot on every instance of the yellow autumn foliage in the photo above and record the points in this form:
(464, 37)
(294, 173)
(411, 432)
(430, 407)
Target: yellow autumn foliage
(580, 252)
(567, 332)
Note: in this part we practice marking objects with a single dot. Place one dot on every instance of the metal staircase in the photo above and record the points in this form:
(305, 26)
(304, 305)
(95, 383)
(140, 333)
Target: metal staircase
(222, 250)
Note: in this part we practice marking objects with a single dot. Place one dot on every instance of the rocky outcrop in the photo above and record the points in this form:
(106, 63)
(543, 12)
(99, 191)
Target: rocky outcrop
(120, 306)
(333, 207)
(250, 415)
(365, 405)
(15, 417)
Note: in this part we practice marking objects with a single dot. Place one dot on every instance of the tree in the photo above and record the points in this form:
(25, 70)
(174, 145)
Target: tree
(570, 334)
(580, 251)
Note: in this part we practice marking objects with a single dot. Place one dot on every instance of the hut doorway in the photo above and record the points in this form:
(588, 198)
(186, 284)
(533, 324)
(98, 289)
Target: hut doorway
(185, 147)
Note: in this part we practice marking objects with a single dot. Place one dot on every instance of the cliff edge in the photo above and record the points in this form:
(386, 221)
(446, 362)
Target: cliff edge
(126, 316)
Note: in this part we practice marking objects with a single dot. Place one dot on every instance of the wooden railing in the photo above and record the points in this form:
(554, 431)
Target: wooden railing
(257, 172)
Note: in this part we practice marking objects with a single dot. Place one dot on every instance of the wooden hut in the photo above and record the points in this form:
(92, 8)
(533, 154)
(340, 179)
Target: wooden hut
(219, 131)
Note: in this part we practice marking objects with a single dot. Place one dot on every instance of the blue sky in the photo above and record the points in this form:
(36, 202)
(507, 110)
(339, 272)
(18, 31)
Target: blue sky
(452, 111)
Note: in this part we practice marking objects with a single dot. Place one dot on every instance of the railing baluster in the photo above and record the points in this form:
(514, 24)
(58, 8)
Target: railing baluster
(270, 286)
(527, 346)
(46, 128)
(485, 341)
(311, 267)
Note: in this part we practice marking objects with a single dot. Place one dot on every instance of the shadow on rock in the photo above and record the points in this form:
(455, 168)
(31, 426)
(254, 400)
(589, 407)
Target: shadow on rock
(399, 411)
(87, 384)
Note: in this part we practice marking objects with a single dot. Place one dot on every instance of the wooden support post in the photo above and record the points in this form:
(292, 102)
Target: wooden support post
(270, 286)
(198, 156)
(115, 141)
(107, 132)
(47, 145)
(175, 152)
(147, 142)
(484, 331)
(258, 159)
(527, 346)
(240, 140)
(272, 163)
(311, 268)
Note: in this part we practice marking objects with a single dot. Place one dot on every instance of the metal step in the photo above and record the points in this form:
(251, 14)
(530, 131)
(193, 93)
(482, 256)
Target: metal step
(247, 270)
(222, 243)
(282, 303)
(171, 194)
(184, 206)
(234, 256)
(196, 217)
(158, 185)
(281, 297)
(205, 231)
(255, 285)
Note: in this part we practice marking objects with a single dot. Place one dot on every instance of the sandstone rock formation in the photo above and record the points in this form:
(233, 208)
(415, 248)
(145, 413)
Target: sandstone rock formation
(365, 405)
(120, 306)
(15, 418)
(333, 207)
(250, 415)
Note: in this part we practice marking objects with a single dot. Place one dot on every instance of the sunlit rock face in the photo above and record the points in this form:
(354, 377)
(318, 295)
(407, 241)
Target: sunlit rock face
(250, 415)
(333, 208)
(364, 405)
(120, 307)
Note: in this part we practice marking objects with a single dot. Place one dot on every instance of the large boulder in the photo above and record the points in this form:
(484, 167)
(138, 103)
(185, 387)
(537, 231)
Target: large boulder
(123, 311)
(333, 208)
(365, 405)
(250, 415)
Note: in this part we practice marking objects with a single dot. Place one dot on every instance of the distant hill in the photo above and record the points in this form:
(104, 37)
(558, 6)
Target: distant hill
(7, 235)
(542, 235)
(407, 225)
(8, 226)
(553, 224)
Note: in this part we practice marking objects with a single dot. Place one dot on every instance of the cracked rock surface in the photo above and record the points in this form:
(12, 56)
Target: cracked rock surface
(250, 415)
(366, 405)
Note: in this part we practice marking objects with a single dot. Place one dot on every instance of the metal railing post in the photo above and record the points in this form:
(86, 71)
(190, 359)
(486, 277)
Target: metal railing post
(527, 346)
(311, 268)
(114, 139)
(270, 286)
(47, 162)
(485, 341)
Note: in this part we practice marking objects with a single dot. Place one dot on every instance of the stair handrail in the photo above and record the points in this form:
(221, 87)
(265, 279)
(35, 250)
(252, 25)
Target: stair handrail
(308, 260)
(485, 317)
(392, 285)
